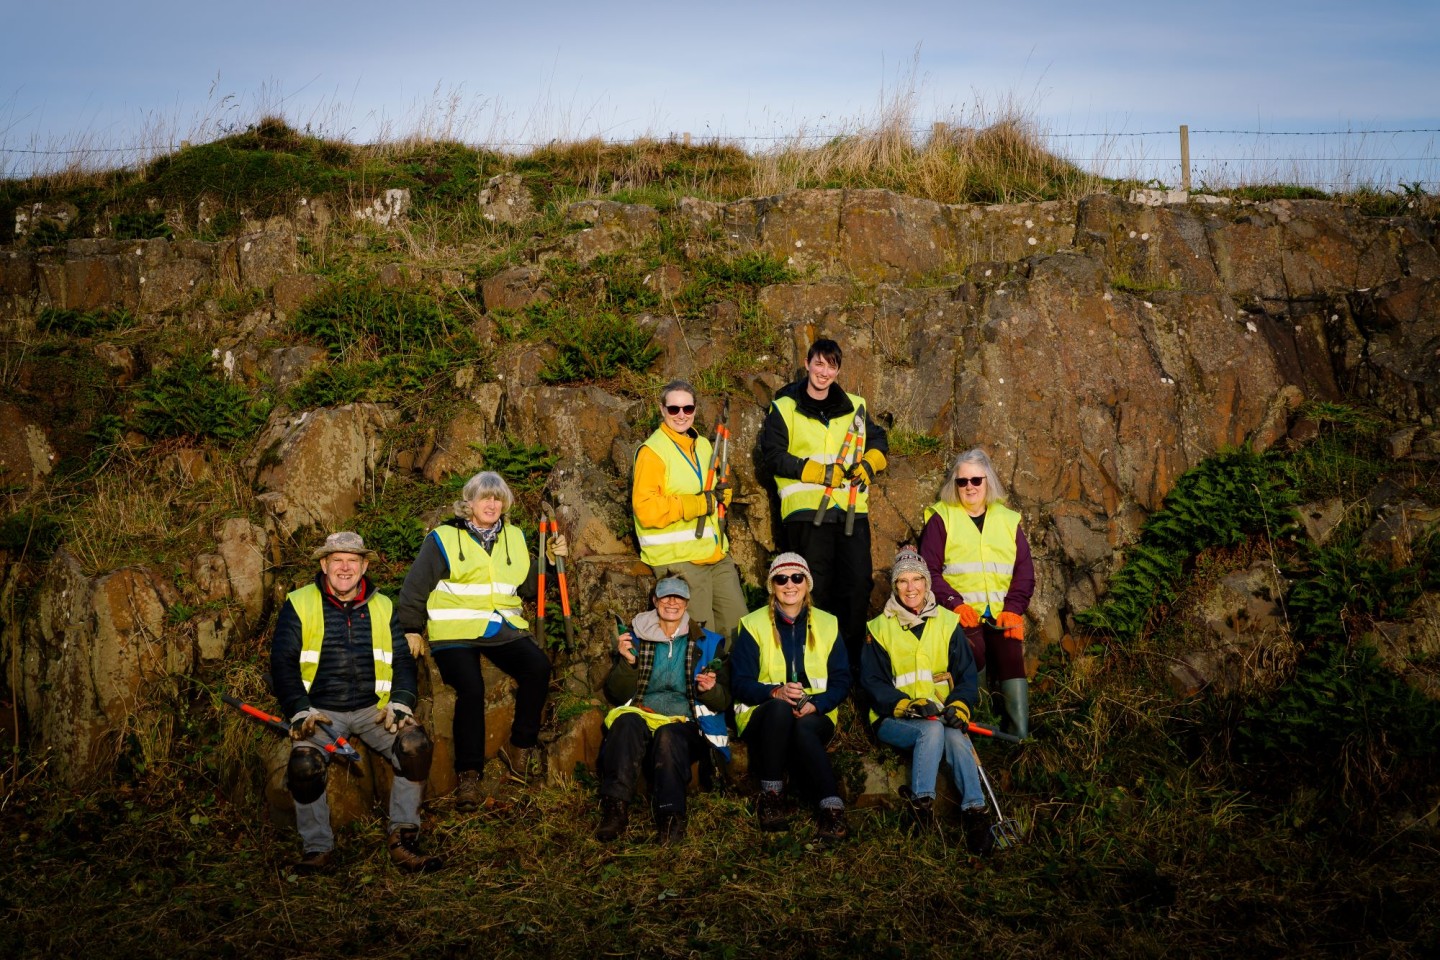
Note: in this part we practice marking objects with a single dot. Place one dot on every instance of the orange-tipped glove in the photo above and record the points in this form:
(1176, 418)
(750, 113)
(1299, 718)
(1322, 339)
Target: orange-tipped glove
(1013, 624)
(956, 714)
(865, 468)
(969, 619)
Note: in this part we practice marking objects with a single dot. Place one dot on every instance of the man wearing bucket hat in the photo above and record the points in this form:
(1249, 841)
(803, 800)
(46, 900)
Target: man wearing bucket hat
(919, 675)
(673, 697)
(338, 672)
(789, 672)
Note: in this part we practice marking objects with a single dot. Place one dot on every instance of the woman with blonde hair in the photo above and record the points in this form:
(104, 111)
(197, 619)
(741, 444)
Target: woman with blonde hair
(465, 589)
(981, 568)
(789, 672)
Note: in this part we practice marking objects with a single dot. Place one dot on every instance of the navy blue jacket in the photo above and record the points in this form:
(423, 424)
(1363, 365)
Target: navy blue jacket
(345, 679)
(746, 687)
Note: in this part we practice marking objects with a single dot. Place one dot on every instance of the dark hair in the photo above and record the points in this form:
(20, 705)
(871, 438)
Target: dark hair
(827, 348)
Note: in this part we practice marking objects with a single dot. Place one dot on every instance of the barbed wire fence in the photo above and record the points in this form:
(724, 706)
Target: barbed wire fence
(1332, 161)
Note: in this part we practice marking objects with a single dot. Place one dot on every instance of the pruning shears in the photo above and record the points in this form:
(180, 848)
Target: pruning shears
(549, 523)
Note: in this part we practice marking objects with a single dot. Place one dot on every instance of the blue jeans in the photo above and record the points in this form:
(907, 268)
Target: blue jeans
(929, 740)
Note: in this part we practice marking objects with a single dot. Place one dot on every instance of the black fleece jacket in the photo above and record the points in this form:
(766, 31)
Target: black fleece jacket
(430, 567)
(775, 450)
(345, 679)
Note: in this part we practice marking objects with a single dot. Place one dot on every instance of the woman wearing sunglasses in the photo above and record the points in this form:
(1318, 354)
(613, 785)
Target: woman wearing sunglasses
(981, 568)
(788, 673)
(669, 496)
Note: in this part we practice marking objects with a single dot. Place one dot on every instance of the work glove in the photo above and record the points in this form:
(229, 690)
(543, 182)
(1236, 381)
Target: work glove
(823, 474)
(956, 714)
(1013, 624)
(710, 500)
(396, 716)
(556, 546)
(302, 725)
(863, 470)
(417, 644)
(921, 708)
(969, 619)
(722, 490)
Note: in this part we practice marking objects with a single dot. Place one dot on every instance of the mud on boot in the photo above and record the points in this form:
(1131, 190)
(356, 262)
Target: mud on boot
(614, 818)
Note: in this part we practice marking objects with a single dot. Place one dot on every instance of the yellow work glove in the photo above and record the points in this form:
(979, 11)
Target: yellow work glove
(921, 708)
(822, 474)
(1013, 624)
(956, 714)
(865, 468)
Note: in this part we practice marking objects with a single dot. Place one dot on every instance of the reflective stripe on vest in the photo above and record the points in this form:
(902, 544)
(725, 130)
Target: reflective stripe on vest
(481, 589)
(812, 440)
(773, 668)
(309, 605)
(914, 662)
(979, 565)
(676, 542)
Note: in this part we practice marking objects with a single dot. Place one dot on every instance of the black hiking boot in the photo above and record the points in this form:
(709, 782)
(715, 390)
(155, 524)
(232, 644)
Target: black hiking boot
(770, 811)
(978, 838)
(831, 823)
(672, 829)
(614, 818)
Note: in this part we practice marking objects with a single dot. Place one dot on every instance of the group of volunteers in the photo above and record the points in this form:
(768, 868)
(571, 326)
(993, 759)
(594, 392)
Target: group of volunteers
(343, 655)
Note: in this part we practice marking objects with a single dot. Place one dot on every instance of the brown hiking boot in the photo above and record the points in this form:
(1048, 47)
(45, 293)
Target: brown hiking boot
(521, 763)
(405, 852)
(469, 794)
(979, 839)
(770, 811)
(314, 861)
(614, 818)
(830, 824)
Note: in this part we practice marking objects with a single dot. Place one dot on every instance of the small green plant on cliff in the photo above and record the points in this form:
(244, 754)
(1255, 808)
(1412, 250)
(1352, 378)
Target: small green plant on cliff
(910, 443)
(187, 398)
(147, 225)
(526, 466)
(359, 314)
(597, 347)
(1220, 502)
(84, 323)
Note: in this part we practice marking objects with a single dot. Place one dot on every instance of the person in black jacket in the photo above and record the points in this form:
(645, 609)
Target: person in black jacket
(338, 673)
(465, 590)
(800, 443)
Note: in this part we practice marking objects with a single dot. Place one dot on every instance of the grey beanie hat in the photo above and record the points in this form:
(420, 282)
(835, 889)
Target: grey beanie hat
(908, 561)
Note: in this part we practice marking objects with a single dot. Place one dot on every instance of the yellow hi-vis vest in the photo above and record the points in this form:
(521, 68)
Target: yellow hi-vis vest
(773, 668)
(482, 587)
(979, 565)
(812, 440)
(676, 543)
(914, 662)
(310, 607)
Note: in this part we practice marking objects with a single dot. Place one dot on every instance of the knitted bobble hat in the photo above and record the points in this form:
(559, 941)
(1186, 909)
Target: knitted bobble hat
(787, 563)
(908, 561)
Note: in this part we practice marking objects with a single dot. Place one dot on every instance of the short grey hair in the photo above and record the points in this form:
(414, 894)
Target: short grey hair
(485, 485)
(994, 489)
(674, 385)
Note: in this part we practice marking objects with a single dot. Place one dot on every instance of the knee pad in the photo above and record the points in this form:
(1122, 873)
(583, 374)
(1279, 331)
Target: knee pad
(305, 774)
(413, 751)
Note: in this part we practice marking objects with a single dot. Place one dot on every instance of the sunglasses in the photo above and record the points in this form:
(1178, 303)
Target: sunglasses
(675, 409)
(781, 578)
(964, 481)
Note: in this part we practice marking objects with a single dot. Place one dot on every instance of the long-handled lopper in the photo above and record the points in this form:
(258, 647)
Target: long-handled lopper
(851, 436)
(548, 513)
(719, 468)
(338, 748)
(858, 429)
(540, 580)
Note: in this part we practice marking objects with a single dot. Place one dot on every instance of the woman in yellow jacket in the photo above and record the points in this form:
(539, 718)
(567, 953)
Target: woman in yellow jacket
(669, 497)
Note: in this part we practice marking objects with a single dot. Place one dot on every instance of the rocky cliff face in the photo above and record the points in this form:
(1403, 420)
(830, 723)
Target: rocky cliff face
(1096, 350)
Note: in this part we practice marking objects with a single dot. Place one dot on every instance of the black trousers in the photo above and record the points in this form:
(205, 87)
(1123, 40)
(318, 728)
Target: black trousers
(664, 756)
(780, 744)
(843, 574)
(521, 659)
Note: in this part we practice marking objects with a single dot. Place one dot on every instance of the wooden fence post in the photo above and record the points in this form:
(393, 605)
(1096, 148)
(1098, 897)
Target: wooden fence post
(1185, 157)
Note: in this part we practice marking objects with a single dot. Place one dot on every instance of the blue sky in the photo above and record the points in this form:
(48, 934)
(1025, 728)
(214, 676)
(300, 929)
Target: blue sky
(93, 72)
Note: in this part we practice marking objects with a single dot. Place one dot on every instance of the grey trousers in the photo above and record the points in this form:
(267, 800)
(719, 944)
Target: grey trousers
(313, 819)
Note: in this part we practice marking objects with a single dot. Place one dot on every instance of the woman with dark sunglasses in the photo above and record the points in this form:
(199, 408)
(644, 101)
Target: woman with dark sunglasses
(980, 566)
(788, 673)
(668, 496)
